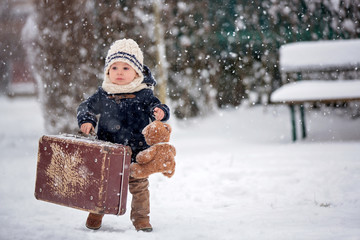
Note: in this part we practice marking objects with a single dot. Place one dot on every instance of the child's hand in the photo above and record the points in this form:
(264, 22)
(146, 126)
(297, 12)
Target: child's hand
(158, 114)
(86, 128)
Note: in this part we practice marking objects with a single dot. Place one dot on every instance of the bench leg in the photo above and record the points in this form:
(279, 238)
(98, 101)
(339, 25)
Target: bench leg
(302, 121)
(293, 122)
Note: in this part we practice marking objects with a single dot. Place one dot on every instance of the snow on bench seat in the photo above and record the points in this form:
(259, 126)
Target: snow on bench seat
(317, 91)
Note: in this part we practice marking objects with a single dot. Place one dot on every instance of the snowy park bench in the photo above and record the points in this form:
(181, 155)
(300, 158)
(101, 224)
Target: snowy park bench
(337, 59)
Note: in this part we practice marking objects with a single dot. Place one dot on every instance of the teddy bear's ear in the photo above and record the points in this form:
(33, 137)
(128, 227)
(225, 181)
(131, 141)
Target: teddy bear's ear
(167, 127)
(145, 131)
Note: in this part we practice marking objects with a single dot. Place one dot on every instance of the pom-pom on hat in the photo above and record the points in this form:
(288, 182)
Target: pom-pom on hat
(125, 50)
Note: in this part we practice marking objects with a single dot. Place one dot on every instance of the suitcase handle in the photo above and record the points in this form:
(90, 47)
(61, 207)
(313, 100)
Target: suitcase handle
(91, 134)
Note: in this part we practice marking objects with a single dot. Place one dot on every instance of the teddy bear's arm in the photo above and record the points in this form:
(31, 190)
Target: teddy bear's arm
(173, 150)
(145, 156)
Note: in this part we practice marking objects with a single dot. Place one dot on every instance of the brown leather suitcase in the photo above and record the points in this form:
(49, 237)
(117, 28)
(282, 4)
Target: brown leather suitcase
(86, 174)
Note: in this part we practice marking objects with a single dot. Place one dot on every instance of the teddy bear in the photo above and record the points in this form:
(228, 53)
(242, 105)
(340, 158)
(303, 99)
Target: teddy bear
(159, 157)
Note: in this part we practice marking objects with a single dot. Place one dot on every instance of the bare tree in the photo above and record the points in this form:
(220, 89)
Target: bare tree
(162, 64)
(62, 55)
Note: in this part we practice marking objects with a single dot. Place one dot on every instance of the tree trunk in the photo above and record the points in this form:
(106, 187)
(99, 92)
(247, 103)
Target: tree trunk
(162, 65)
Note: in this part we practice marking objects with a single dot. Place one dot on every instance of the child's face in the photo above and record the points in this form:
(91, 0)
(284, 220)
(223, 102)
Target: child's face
(121, 73)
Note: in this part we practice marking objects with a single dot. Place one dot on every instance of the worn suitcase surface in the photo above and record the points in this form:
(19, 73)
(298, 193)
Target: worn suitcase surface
(86, 174)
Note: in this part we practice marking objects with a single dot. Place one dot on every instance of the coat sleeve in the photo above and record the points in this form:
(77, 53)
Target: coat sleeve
(88, 109)
(166, 110)
(155, 102)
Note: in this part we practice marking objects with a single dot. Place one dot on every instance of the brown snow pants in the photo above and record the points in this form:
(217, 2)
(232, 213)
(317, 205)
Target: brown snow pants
(140, 204)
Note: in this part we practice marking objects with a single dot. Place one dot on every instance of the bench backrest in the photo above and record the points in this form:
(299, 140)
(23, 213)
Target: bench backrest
(316, 56)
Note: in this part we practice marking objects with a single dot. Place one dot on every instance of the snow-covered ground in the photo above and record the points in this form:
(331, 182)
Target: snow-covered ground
(238, 176)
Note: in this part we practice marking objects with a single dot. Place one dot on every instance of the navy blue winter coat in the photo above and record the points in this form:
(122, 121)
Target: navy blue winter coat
(122, 116)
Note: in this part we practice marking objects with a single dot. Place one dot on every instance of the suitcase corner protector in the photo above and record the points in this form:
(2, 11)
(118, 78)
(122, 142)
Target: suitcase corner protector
(121, 212)
(36, 196)
(128, 149)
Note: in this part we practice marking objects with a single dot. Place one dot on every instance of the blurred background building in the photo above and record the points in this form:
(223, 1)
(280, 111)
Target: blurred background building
(15, 75)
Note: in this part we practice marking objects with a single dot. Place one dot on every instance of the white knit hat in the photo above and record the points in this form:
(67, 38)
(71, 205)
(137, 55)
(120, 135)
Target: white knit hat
(125, 50)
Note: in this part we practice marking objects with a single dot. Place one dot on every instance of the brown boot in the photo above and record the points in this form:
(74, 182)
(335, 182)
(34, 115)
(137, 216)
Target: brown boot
(94, 221)
(140, 204)
(143, 226)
